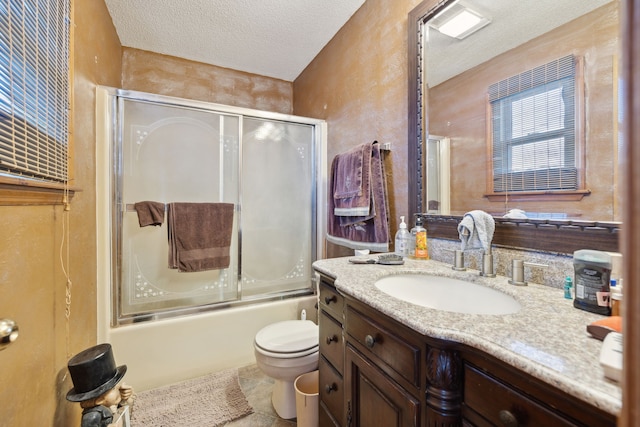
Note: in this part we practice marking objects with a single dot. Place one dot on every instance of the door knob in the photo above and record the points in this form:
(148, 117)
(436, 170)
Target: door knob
(8, 332)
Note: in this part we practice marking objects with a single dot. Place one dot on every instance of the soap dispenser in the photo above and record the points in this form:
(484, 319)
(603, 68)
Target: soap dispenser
(421, 240)
(403, 238)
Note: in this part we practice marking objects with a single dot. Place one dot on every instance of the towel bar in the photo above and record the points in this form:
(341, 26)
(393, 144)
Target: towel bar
(129, 207)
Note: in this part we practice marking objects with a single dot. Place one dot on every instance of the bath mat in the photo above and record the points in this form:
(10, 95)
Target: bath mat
(208, 401)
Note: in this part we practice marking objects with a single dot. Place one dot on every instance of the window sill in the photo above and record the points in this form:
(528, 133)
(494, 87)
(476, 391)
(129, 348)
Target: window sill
(539, 196)
(21, 192)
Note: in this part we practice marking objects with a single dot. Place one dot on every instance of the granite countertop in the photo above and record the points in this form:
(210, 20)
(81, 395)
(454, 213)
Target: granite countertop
(547, 338)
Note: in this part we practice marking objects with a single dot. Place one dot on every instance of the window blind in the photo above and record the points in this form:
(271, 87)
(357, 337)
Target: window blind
(34, 88)
(534, 129)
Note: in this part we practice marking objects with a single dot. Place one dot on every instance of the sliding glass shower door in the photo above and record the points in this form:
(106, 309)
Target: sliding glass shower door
(277, 206)
(171, 152)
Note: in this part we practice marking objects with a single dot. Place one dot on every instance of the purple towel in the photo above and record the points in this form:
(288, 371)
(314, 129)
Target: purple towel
(149, 213)
(351, 188)
(199, 235)
(363, 232)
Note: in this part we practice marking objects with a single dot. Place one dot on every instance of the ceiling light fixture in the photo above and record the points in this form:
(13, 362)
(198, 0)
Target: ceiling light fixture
(458, 21)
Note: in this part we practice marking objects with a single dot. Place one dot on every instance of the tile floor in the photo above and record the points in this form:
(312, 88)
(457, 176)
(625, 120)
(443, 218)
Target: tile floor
(257, 387)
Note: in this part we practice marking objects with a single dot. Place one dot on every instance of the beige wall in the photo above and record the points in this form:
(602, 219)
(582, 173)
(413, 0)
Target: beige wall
(33, 385)
(167, 75)
(458, 111)
(32, 284)
(358, 84)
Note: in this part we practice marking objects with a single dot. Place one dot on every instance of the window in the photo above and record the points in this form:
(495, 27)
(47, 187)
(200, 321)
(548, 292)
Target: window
(534, 132)
(34, 91)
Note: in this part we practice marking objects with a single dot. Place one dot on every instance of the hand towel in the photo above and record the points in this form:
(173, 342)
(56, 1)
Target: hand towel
(369, 231)
(199, 235)
(351, 185)
(149, 213)
(476, 230)
(516, 214)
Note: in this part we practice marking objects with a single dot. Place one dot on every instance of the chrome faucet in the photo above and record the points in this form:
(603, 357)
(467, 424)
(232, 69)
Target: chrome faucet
(517, 271)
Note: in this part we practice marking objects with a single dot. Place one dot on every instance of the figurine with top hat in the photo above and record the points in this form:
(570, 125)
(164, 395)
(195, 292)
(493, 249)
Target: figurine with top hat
(96, 381)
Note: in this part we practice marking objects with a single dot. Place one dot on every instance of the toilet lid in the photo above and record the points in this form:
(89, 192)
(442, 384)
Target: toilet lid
(289, 336)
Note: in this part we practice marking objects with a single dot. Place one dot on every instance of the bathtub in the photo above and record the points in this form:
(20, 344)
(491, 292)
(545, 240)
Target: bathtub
(165, 351)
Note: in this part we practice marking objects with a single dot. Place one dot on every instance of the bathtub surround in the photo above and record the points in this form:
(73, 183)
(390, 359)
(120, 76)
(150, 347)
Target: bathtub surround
(201, 339)
(222, 167)
(192, 346)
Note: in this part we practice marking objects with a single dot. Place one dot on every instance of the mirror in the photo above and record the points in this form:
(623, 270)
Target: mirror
(451, 78)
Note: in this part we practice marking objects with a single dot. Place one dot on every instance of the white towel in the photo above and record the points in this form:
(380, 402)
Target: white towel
(516, 214)
(476, 230)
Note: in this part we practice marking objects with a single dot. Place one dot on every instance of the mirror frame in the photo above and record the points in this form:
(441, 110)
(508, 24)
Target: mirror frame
(560, 236)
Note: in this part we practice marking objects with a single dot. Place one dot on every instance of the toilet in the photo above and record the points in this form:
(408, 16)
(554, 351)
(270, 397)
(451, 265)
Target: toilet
(284, 351)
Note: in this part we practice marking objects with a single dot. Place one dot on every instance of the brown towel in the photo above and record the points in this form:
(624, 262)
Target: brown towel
(351, 189)
(199, 235)
(149, 213)
(368, 232)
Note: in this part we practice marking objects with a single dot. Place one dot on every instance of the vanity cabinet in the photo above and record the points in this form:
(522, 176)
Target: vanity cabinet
(382, 371)
(375, 371)
(374, 399)
(332, 351)
(497, 394)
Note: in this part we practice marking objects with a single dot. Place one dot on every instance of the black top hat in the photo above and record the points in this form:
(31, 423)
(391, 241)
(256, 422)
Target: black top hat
(93, 372)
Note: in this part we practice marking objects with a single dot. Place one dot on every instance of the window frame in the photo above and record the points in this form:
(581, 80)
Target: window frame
(580, 142)
(19, 190)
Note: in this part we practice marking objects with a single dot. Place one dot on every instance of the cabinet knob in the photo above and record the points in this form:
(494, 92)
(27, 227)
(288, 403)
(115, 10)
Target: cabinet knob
(508, 419)
(369, 341)
(332, 338)
(330, 387)
(329, 300)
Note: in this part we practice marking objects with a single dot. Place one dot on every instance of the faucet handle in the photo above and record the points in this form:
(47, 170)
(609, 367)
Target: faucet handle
(458, 262)
(517, 271)
(487, 264)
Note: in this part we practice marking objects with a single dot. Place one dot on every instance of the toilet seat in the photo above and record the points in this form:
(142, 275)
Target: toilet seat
(288, 339)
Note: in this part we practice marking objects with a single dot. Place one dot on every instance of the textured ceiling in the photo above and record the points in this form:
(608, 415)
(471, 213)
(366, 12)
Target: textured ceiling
(513, 22)
(275, 38)
(279, 38)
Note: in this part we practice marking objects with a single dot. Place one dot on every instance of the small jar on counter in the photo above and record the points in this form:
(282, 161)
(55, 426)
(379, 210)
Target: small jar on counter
(616, 297)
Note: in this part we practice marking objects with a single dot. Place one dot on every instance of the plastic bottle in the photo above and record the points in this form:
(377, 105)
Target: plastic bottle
(592, 275)
(616, 298)
(411, 244)
(421, 240)
(403, 239)
(568, 284)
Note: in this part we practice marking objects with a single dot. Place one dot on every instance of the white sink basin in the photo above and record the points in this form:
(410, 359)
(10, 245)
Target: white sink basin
(448, 294)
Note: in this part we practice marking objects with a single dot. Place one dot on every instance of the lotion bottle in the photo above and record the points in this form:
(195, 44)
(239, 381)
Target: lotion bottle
(421, 240)
(403, 238)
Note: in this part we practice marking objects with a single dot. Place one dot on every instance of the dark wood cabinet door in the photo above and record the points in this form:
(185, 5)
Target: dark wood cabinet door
(374, 399)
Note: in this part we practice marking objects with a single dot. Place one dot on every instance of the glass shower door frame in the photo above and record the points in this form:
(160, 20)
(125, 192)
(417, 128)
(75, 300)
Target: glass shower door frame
(318, 189)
